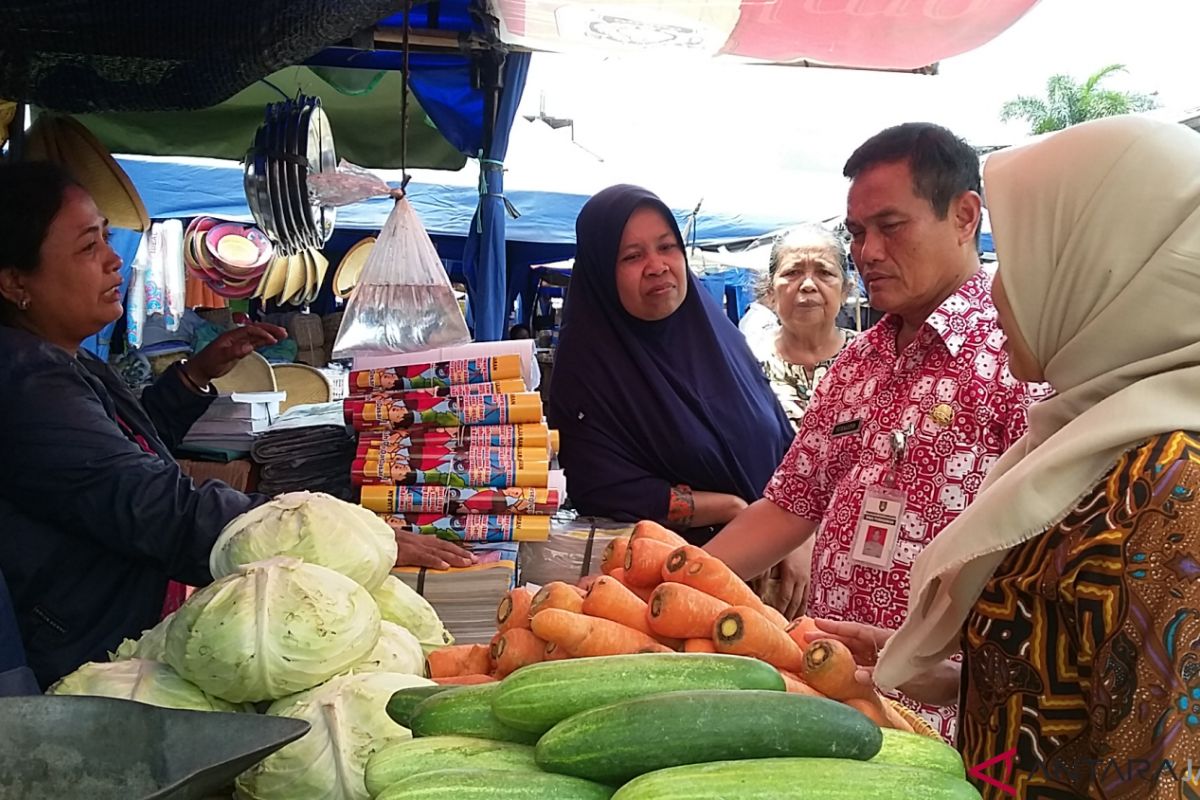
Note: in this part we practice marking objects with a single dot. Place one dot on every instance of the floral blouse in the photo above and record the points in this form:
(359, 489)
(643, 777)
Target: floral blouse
(793, 384)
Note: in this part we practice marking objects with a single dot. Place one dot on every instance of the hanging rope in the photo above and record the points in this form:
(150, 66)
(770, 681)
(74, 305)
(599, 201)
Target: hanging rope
(404, 176)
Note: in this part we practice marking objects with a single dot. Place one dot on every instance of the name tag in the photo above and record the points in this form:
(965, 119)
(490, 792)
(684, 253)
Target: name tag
(878, 527)
(846, 428)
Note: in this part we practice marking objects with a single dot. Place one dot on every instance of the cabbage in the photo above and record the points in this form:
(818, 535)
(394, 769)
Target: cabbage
(151, 645)
(139, 679)
(272, 629)
(400, 604)
(349, 722)
(397, 651)
(312, 526)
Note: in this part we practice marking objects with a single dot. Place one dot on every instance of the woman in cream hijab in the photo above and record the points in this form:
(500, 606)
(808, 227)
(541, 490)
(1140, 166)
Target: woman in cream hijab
(1072, 583)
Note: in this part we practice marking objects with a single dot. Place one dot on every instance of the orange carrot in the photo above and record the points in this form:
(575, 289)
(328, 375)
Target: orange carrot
(459, 659)
(796, 685)
(614, 555)
(648, 529)
(464, 680)
(581, 635)
(557, 594)
(879, 711)
(829, 668)
(693, 567)
(683, 612)
(516, 648)
(553, 652)
(800, 628)
(699, 646)
(644, 562)
(618, 575)
(513, 611)
(743, 631)
(608, 598)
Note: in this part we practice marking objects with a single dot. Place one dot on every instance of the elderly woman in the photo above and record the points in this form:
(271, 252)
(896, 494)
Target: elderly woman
(807, 283)
(662, 410)
(97, 517)
(1072, 583)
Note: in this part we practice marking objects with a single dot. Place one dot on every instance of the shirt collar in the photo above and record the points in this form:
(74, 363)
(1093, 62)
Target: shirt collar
(970, 302)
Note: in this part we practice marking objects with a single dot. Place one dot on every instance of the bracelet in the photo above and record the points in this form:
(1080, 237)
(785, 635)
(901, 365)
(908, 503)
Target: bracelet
(188, 380)
(682, 506)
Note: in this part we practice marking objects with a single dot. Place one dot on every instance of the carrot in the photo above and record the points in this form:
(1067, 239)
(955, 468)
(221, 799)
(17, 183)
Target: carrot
(829, 668)
(879, 711)
(743, 631)
(464, 680)
(648, 529)
(796, 685)
(516, 648)
(581, 635)
(644, 562)
(614, 555)
(513, 611)
(800, 628)
(618, 575)
(557, 594)
(610, 599)
(553, 652)
(693, 567)
(699, 646)
(459, 659)
(683, 612)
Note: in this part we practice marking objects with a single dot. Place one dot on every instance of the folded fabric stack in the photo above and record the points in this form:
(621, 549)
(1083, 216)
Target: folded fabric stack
(306, 448)
(573, 549)
(466, 598)
(233, 422)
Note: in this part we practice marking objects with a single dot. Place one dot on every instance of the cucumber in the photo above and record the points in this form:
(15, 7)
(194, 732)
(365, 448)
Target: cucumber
(491, 784)
(401, 760)
(615, 743)
(465, 711)
(536, 697)
(403, 702)
(796, 779)
(912, 750)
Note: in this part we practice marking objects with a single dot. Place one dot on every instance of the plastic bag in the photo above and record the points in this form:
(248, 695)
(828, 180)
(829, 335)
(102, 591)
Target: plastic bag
(403, 302)
(347, 185)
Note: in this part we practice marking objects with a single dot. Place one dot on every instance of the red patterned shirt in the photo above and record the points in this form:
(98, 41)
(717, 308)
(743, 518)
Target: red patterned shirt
(952, 385)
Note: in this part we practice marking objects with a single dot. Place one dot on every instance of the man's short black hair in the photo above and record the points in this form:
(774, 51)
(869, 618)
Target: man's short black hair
(943, 165)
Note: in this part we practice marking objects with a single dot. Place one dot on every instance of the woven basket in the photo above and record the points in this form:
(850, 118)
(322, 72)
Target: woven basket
(919, 724)
(306, 330)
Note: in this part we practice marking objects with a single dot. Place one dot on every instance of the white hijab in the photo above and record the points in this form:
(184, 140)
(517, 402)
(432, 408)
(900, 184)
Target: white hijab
(1097, 230)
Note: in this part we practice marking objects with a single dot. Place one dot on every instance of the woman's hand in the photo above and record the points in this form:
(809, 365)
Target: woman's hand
(223, 353)
(419, 550)
(936, 687)
(793, 575)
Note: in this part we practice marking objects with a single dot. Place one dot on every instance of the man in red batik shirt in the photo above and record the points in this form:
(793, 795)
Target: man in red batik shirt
(915, 411)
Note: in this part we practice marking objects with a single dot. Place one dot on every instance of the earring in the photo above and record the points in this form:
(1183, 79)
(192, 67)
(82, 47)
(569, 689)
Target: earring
(24, 304)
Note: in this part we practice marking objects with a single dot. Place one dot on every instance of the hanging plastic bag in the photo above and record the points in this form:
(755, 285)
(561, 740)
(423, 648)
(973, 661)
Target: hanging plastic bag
(347, 185)
(403, 302)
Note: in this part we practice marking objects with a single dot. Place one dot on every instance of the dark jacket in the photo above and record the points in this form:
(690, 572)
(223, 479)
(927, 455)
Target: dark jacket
(92, 526)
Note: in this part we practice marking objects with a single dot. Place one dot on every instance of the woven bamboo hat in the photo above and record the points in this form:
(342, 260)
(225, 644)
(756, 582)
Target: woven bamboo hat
(350, 267)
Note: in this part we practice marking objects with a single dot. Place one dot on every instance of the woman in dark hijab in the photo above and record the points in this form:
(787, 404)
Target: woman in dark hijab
(663, 412)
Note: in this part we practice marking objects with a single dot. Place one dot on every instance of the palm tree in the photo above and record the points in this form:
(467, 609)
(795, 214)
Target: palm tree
(1069, 103)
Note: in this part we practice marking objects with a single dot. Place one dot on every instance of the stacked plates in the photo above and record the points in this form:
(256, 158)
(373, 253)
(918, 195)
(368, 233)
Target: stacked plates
(230, 257)
(294, 142)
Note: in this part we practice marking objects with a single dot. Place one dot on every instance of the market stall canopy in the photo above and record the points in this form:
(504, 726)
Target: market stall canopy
(871, 34)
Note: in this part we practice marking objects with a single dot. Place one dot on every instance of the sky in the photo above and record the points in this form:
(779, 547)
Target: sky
(765, 139)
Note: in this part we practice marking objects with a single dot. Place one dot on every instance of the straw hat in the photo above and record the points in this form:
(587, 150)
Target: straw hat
(65, 141)
(303, 385)
(250, 374)
(8, 112)
(350, 267)
(321, 265)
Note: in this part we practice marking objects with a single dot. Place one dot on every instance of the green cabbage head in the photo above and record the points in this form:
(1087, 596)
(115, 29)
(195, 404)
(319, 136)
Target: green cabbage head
(397, 651)
(271, 629)
(139, 679)
(403, 606)
(151, 645)
(314, 527)
(349, 723)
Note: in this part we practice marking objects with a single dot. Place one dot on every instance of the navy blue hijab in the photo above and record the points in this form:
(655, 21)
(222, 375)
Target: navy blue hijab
(642, 406)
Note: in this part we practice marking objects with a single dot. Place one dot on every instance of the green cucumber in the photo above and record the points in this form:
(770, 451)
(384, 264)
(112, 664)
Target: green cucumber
(400, 707)
(537, 697)
(492, 784)
(401, 760)
(795, 779)
(466, 711)
(616, 743)
(913, 750)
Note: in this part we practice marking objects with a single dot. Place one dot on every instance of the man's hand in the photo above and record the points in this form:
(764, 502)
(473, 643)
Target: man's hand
(222, 353)
(794, 576)
(419, 550)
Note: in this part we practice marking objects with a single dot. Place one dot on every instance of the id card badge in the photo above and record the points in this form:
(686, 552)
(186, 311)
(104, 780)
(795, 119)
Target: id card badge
(878, 526)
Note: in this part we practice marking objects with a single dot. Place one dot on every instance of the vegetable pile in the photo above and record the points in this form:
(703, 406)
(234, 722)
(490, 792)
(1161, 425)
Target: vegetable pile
(304, 619)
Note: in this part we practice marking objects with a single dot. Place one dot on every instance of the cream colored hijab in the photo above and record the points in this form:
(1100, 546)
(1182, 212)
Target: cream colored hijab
(1097, 229)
